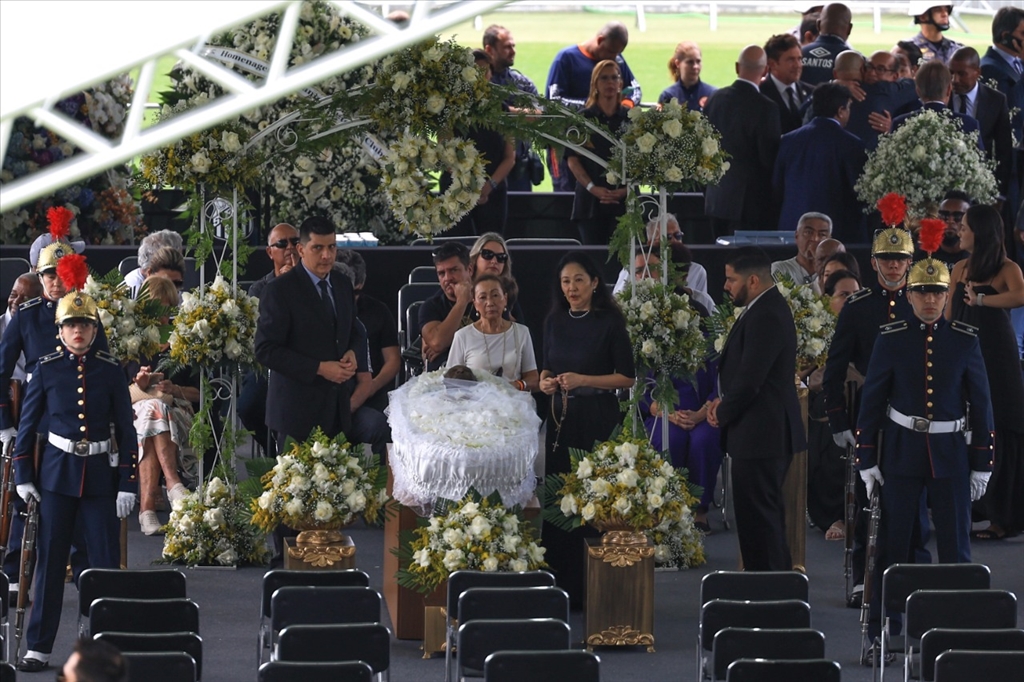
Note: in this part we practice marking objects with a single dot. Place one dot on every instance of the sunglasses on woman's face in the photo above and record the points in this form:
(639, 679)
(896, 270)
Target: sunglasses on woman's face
(487, 254)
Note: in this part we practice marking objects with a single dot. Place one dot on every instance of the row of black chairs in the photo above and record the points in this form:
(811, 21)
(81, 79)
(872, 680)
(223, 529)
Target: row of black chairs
(757, 626)
(945, 607)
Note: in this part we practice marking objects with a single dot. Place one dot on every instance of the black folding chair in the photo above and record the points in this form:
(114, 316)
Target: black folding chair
(567, 242)
(513, 603)
(961, 609)
(7, 673)
(98, 583)
(719, 614)
(971, 666)
(423, 273)
(322, 606)
(10, 270)
(732, 644)
(160, 666)
(753, 586)
(460, 581)
(276, 579)
(282, 671)
(900, 580)
(542, 666)
(436, 241)
(366, 642)
(139, 615)
(134, 642)
(938, 640)
(761, 670)
(478, 639)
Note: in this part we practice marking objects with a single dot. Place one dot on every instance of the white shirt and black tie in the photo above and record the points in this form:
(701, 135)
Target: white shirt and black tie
(967, 103)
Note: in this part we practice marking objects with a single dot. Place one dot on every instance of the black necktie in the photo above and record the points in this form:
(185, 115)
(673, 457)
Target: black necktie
(963, 104)
(791, 96)
(325, 297)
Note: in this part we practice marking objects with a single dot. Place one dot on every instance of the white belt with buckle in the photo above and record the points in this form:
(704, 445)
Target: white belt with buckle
(922, 425)
(81, 448)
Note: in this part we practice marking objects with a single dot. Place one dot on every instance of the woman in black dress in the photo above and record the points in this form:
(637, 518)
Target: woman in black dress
(988, 284)
(587, 357)
(598, 204)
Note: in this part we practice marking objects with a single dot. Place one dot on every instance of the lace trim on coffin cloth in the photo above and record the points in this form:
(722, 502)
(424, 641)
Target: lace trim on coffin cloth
(451, 435)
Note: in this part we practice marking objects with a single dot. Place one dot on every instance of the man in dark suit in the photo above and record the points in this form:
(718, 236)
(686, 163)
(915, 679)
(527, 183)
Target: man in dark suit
(749, 124)
(934, 85)
(988, 106)
(783, 85)
(757, 409)
(882, 91)
(306, 336)
(819, 164)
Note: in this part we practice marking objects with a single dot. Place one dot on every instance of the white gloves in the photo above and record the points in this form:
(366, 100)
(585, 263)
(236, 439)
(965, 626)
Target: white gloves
(28, 490)
(7, 435)
(872, 477)
(125, 503)
(979, 482)
(844, 439)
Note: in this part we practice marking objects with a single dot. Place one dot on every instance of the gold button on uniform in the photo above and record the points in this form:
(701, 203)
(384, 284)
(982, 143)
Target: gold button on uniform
(929, 351)
(929, 339)
(929, 405)
(81, 402)
(929, 377)
(81, 390)
(929, 363)
(82, 429)
(81, 416)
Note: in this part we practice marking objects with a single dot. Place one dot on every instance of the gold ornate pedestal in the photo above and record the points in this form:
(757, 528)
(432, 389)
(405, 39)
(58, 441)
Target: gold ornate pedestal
(620, 590)
(319, 550)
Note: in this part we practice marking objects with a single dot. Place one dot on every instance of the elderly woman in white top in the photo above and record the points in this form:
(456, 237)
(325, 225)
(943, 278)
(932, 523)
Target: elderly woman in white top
(492, 343)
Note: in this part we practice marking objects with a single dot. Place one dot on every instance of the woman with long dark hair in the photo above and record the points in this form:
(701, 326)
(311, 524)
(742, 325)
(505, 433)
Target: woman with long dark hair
(598, 204)
(988, 285)
(587, 357)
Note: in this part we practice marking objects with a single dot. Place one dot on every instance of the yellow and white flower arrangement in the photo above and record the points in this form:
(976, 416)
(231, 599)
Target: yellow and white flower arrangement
(322, 484)
(475, 534)
(668, 147)
(215, 328)
(677, 542)
(135, 328)
(213, 530)
(925, 158)
(409, 175)
(623, 484)
(815, 321)
(665, 332)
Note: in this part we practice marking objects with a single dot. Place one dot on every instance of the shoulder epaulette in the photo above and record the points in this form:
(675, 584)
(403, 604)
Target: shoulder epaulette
(858, 295)
(51, 357)
(963, 328)
(104, 355)
(897, 326)
(31, 303)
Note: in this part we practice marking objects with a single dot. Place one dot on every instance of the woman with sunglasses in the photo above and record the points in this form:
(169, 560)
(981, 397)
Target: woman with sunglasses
(493, 344)
(988, 285)
(162, 427)
(598, 204)
(490, 255)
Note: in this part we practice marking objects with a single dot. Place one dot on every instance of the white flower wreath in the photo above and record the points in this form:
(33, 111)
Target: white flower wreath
(408, 169)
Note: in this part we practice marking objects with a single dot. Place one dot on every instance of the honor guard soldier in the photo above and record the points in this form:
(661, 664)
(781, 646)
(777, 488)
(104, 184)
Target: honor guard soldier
(32, 332)
(82, 475)
(881, 302)
(923, 374)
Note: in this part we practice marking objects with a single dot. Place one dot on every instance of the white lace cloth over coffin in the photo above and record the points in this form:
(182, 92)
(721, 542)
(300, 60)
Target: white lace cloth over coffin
(451, 435)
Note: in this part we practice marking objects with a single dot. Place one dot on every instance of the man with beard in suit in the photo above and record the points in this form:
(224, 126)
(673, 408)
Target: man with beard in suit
(306, 336)
(749, 124)
(783, 85)
(757, 409)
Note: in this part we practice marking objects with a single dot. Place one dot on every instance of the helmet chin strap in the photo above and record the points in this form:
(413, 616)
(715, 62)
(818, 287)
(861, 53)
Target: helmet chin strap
(892, 285)
(929, 20)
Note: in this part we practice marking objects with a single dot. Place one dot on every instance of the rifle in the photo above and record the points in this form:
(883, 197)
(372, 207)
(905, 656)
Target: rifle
(27, 570)
(8, 493)
(870, 562)
(850, 509)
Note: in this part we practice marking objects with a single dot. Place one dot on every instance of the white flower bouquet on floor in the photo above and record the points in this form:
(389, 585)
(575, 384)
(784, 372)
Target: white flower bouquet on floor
(213, 531)
(475, 534)
(320, 484)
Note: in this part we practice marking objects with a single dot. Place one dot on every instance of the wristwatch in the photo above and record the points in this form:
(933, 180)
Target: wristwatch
(590, 185)
(492, 183)
(980, 301)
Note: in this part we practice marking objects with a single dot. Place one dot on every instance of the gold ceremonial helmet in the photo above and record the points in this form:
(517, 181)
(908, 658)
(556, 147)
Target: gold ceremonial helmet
(893, 241)
(76, 305)
(928, 274)
(52, 253)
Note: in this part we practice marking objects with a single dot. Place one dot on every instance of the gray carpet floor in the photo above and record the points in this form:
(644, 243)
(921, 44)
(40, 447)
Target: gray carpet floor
(229, 610)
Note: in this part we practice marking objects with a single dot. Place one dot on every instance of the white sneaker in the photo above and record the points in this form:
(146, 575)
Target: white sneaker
(176, 493)
(149, 522)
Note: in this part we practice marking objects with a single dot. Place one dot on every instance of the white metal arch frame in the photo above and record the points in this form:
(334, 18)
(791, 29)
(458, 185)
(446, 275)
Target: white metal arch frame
(99, 154)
